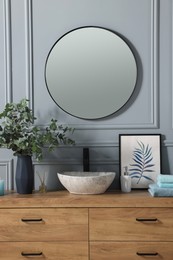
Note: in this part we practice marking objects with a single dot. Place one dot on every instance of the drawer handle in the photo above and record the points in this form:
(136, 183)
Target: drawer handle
(31, 254)
(32, 219)
(147, 254)
(146, 219)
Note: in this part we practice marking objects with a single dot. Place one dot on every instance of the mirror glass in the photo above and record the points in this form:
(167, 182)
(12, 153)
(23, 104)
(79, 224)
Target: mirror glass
(90, 72)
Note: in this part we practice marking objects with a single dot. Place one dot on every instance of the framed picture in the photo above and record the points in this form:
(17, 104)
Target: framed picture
(140, 156)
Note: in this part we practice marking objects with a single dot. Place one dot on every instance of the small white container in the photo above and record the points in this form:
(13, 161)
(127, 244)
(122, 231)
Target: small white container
(125, 181)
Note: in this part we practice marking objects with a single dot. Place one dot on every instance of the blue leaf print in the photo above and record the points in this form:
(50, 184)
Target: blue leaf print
(142, 157)
(148, 178)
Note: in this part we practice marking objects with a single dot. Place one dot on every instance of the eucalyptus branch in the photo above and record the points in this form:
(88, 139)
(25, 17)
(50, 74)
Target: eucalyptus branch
(18, 132)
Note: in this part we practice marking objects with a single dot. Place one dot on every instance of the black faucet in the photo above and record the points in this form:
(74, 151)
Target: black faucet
(86, 159)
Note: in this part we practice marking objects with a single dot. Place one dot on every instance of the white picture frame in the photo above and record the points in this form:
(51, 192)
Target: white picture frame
(140, 155)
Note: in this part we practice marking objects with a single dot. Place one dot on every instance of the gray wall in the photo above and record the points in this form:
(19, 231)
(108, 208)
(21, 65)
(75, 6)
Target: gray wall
(29, 28)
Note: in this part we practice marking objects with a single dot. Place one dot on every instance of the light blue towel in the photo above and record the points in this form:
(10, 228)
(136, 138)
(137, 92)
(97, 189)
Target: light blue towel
(165, 184)
(156, 191)
(165, 178)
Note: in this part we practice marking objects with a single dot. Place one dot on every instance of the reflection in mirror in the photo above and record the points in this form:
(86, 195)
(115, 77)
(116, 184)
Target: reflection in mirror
(90, 72)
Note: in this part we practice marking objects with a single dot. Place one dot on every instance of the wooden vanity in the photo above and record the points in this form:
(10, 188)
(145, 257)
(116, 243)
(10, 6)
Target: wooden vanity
(61, 226)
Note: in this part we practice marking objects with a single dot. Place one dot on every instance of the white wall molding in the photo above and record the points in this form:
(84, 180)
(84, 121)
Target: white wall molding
(110, 144)
(172, 69)
(154, 64)
(7, 50)
(97, 144)
(29, 51)
(168, 143)
(8, 173)
(76, 162)
(154, 89)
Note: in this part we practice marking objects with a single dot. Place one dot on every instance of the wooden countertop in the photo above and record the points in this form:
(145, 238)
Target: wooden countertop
(136, 198)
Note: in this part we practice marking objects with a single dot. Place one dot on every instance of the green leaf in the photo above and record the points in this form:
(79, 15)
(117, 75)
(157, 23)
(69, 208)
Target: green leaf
(18, 132)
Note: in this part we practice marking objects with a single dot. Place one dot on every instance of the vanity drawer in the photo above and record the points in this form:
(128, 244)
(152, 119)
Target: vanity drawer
(131, 224)
(44, 224)
(44, 250)
(131, 250)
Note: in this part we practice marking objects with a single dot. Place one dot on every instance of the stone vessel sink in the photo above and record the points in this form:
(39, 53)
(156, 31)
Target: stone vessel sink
(86, 182)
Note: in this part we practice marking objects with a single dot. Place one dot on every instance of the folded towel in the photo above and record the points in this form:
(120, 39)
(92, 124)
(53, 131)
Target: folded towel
(152, 193)
(165, 178)
(156, 191)
(165, 184)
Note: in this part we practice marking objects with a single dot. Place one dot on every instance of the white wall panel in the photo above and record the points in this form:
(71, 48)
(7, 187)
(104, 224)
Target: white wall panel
(2, 57)
(5, 53)
(6, 174)
(21, 49)
(136, 20)
(29, 28)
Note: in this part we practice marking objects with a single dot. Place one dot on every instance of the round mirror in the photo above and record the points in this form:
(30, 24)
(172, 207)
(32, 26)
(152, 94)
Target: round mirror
(90, 72)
